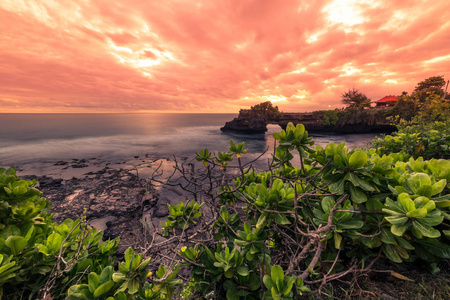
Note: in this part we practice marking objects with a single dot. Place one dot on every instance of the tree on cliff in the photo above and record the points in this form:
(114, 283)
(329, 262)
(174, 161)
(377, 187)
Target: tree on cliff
(354, 98)
(427, 103)
(265, 110)
(431, 86)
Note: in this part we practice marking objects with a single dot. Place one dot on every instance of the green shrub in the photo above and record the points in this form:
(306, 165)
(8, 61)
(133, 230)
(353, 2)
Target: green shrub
(331, 117)
(39, 257)
(353, 115)
(315, 216)
(306, 221)
(417, 139)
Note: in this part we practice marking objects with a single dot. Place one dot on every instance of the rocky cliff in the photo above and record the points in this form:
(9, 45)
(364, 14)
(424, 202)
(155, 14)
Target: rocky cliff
(248, 123)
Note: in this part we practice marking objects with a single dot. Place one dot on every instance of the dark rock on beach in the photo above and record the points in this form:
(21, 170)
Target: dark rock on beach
(107, 193)
(115, 196)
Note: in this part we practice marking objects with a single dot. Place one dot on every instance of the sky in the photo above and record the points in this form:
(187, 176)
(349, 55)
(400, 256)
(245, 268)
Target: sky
(214, 56)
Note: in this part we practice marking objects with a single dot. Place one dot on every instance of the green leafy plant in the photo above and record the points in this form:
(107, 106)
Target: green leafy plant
(182, 215)
(280, 286)
(314, 216)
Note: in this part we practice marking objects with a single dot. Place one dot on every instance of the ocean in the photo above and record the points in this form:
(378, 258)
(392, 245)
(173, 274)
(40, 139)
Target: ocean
(52, 137)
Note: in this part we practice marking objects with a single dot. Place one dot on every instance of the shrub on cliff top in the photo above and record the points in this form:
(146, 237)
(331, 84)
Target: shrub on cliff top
(265, 110)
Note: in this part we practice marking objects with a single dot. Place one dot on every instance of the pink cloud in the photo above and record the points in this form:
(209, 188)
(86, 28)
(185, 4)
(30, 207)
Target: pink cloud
(214, 56)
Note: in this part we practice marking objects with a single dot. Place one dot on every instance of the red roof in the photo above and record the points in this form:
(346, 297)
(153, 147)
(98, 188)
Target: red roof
(388, 99)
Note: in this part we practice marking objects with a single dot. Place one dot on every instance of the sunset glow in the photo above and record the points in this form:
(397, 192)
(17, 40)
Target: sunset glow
(214, 56)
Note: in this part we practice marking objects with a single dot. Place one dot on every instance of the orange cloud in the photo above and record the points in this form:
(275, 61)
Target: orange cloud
(214, 56)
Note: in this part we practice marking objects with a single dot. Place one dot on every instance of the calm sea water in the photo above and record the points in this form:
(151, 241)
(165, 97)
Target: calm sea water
(51, 137)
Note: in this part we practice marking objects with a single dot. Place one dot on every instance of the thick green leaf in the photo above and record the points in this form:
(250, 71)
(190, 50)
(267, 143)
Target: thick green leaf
(358, 159)
(374, 204)
(120, 296)
(144, 264)
(262, 221)
(243, 270)
(400, 229)
(429, 206)
(229, 273)
(394, 207)
(118, 277)
(401, 252)
(391, 253)
(337, 187)
(10, 230)
(442, 203)
(330, 149)
(281, 219)
(275, 294)
(417, 213)
(78, 292)
(133, 286)
(128, 256)
(402, 242)
(104, 288)
(357, 195)
(106, 274)
(387, 237)
(406, 202)
(342, 150)
(400, 189)
(16, 244)
(393, 214)
(7, 266)
(417, 180)
(363, 184)
(337, 240)
(254, 283)
(288, 283)
(94, 281)
(372, 242)
(268, 282)
(277, 275)
(350, 224)
(426, 230)
(338, 161)
(327, 204)
(438, 187)
(54, 242)
(424, 190)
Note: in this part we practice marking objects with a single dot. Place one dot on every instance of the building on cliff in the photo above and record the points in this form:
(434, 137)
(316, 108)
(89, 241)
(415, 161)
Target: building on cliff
(386, 101)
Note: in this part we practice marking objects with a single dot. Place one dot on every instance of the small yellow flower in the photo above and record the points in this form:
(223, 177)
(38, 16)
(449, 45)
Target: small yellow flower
(183, 249)
(420, 147)
(149, 274)
(238, 155)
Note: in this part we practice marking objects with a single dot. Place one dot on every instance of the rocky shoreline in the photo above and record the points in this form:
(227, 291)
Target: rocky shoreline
(115, 197)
